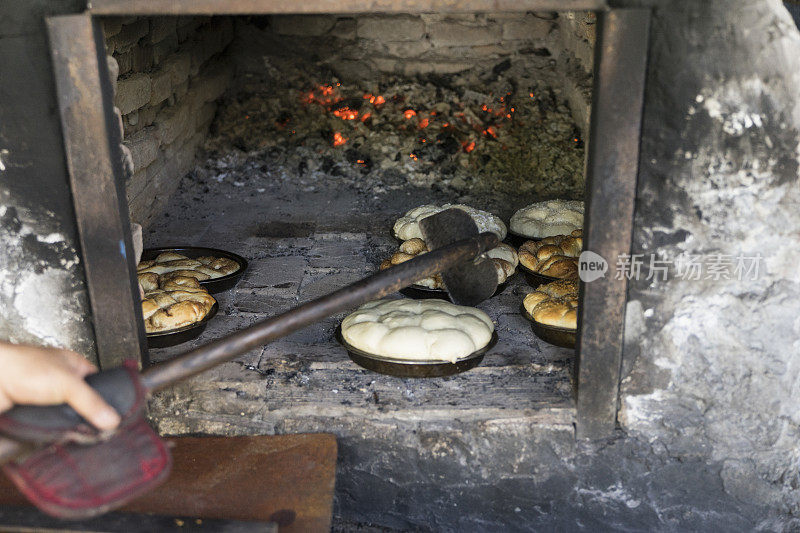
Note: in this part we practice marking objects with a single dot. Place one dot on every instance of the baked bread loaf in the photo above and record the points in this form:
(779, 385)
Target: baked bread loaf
(417, 330)
(407, 226)
(554, 304)
(555, 256)
(504, 258)
(172, 264)
(175, 303)
(544, 219)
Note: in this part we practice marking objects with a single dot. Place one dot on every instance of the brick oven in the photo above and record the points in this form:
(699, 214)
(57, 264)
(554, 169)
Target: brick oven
(296, 135)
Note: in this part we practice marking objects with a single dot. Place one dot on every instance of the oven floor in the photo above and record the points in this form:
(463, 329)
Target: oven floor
(305, 237)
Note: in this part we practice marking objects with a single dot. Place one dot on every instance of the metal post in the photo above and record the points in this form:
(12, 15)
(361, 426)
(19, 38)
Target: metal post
(91, 143)
(611, 173)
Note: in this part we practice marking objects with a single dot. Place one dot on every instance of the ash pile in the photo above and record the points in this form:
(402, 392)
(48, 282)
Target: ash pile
(505, 132)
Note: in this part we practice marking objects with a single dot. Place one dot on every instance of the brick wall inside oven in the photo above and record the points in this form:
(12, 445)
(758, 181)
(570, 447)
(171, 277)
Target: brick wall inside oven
(168, 73)
(577, 33)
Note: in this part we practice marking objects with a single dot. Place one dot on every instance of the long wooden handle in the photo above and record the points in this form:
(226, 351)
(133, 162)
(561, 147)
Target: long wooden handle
(376, 286)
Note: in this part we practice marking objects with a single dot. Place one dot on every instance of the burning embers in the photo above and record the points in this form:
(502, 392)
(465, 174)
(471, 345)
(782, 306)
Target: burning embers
(460, 132)
(484, 121)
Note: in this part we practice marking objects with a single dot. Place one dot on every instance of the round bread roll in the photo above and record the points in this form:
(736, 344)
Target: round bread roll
(171, 264)
(148, 281)
(417, 330)
(220, 265)
(407, 226)
(555, 256)
(177, 315)
(163, 257)
(554, 304)
(200, 276)
(543, 219)
(506, 253)
(179, 301)
(559, 266)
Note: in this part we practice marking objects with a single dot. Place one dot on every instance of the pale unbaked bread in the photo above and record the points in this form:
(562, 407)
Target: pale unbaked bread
(504, 258)
(407, 226)
(554, 304)
(543, 219)
(417, 330)
(555, 256)
(177, 302)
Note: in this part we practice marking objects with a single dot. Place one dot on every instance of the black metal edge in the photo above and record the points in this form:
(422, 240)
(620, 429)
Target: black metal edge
(528, 316)
(91, 141)
(243, 263)
(552, 334)
(406, 371)
(407, 363)
(256, 7)
(563, 338)
(211, 313)
(517, 239)
(612, 168)
(419, 292)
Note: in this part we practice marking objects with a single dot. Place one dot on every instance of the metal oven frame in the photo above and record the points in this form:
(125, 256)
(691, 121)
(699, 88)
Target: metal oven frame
(91, 140)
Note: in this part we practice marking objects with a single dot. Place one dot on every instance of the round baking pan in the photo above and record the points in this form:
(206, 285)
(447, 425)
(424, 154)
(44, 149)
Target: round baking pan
(534, 278)
(211, 285)
(403, 368)
(564, 337)
(172, 337)
(419, 292)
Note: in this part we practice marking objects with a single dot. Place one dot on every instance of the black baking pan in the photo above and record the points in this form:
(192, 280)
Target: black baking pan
(172, 337)
(211, 285)
(534, 278)
(402, 368)
(420, 292)
(564, 337)
(516, 240)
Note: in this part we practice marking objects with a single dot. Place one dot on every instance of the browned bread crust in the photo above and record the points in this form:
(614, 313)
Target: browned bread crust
(177, 302)
(553, 256)
(171, 264)
(554, 304)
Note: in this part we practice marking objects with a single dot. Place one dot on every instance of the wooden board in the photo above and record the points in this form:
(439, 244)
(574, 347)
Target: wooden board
(286, 479)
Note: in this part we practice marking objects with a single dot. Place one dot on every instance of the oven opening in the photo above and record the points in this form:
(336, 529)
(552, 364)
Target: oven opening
(298, 141)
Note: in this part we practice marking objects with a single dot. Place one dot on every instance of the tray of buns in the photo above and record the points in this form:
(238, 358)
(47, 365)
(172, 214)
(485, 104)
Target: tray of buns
(174, 309)
(416, 338)
(553, 312)
(216, 270)
(551, 258)
(402, 368)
